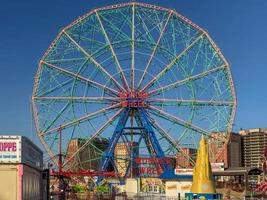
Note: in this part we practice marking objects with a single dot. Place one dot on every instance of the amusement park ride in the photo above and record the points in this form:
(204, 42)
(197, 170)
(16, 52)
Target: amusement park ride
(132, 73)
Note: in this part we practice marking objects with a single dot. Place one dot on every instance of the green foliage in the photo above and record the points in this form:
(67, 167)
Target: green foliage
(102, 189)
(79, 188)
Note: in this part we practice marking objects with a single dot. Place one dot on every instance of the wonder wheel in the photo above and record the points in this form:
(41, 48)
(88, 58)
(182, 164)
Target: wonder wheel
(130, 82)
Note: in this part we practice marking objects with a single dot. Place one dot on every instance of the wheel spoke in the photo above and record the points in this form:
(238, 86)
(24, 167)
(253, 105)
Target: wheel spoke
(113, 53)
(45, 93)
(49, 151)
(93, 61)
(35, 116)
(81, 119)
(99, 131)
(166, 68)
(184, 81)
(182, 102)
(64, 71)
(61, 85)
(169, 138)
(80, 99)
(59, 114)
(154, 50)
(178, 121)
(133, 29)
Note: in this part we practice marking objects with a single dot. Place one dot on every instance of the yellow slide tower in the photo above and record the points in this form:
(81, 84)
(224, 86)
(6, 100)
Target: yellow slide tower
(203, 184)
(202, 179)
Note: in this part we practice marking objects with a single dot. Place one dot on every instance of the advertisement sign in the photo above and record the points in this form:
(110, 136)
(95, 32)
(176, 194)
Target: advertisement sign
(154, 185)
(181, 171)
(133, 99)
(9, 150)
(151, 167)
(151, 182)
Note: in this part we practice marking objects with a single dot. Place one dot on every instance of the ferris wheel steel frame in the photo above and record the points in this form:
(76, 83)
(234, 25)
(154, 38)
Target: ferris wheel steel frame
(149, 113)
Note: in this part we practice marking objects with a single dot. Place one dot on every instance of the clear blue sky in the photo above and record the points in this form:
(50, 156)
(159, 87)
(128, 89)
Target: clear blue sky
(28, 27)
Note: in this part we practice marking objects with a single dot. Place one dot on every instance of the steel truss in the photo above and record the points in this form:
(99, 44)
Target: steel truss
(147, 134)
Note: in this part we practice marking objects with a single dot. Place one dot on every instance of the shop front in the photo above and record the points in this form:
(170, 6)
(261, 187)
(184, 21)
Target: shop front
(152, 185)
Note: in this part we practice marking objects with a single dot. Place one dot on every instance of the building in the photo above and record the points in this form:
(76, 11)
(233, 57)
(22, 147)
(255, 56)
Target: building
(234, 149)
(182, 161)
(86, 158)
(123, 156)
(229, 153)
(254, 142)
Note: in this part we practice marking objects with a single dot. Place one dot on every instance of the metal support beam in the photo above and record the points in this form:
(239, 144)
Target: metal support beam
(147, 133)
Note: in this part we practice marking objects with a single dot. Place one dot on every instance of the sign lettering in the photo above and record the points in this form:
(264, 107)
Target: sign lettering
(8, 146)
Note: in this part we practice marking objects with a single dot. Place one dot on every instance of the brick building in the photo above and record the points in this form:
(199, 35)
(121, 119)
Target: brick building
(182, 162)
(229, 153)
(86, 158)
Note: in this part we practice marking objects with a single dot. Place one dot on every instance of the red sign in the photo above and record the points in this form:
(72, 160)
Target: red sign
(152, 166)
(133, 99)
(150, 170)
(8, 146)
(134, 104)
(127, 95)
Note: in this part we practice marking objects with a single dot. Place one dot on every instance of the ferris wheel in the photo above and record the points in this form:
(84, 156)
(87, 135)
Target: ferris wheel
(133, 74)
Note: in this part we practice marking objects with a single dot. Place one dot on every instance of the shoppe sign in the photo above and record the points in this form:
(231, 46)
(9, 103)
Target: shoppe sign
(9, 150)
